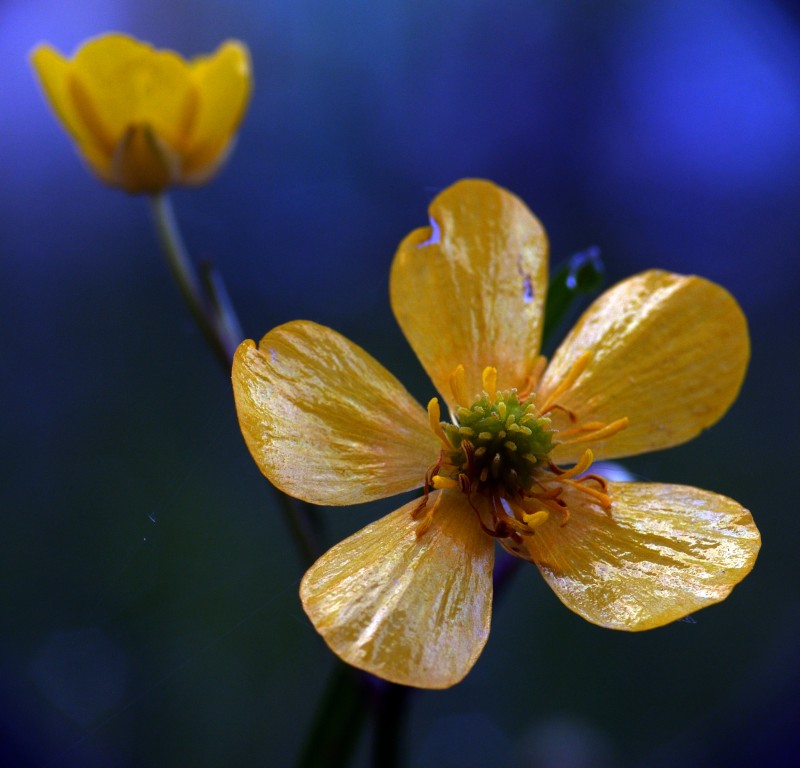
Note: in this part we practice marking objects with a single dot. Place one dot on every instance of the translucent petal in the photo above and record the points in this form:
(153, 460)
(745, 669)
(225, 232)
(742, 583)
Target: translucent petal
(413, 611)
(668, 352)
(664, 552)
(469, 290)
(120, 82)
(53, 71)
(224, 82)
(326, 422)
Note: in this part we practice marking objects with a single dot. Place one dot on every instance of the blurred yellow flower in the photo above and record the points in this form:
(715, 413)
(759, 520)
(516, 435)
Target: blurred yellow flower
(651, 363)
(145, 119)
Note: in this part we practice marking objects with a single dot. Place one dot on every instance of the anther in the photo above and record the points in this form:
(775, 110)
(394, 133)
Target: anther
(458, 385)
(439, 482)
(434, 418)
(535, 519)
(490, 382)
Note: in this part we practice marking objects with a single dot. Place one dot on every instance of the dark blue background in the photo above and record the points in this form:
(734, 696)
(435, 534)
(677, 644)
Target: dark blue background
(149, 586)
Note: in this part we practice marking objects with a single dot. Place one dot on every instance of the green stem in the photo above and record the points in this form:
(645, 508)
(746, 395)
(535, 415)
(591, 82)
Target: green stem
(213, 312)
(339, 720)
(207, 301)
(391, 713)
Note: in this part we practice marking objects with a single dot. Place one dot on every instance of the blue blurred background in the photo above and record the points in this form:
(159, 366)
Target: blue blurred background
(149, 586)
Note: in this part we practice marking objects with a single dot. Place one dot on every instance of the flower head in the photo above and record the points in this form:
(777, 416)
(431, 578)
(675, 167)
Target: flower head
(145, 119)
(651, 363)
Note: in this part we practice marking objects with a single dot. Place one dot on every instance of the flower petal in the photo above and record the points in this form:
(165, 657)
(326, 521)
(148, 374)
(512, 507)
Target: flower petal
(411, 610)
(668, 352)
(53, 71)
(664, 552)
(224, 82)
(120, 81)
(469, 290)
(326, 422)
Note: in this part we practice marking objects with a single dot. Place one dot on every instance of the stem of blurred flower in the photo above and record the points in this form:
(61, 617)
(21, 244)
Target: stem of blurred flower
(213, 312)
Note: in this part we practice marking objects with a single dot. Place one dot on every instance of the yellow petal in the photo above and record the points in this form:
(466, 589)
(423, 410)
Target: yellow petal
(668, 352)
(413, 611)
(224, 82)
(119, 82)
(53, 71)
(664, 552)
(326, 422)
(469, 290)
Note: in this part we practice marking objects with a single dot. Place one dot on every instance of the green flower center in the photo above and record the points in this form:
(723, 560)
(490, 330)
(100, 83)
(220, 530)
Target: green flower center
(499, 443)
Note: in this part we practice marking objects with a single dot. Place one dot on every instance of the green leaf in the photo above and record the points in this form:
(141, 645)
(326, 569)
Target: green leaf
(581, 276)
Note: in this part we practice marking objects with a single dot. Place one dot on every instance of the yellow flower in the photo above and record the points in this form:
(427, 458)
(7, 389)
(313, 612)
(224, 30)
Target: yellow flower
(145, 119)
(651, 363)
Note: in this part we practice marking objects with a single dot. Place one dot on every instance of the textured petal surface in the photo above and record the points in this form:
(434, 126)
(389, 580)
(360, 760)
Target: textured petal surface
(668, 351)
(324, 421)
(665, 551)
(470, 288)
(224, 82)
(413, 611)
(120, 82)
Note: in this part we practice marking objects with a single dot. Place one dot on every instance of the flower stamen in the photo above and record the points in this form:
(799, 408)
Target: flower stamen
(600, 433)
(434, 418)
(458, 386)
(534, 377)
(603, 498)
(498, 448)
(534, 519)
(578, 367)
(583, 464)
(439, 482)
(426, 521)
(489, 378)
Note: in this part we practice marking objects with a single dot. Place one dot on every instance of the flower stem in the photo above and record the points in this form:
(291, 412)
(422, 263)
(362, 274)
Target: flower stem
(213, 312)
(207, 299)
(338, 722)
(391, 713)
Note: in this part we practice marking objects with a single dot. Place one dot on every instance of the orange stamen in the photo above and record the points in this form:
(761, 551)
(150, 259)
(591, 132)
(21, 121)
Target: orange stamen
(603, 498)
(578, 367)
(602, 433)
(555, 407)
(426, 522)
(583, 464)
(458, 386)
(587, 426)
(490, 381)
(534, 377)
(435, 420)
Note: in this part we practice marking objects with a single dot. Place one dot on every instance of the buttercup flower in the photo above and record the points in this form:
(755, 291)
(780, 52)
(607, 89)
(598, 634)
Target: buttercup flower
(145, 119)
(651, 363)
